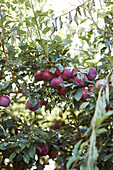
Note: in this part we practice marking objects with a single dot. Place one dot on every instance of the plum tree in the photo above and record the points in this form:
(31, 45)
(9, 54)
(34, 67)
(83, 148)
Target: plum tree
(47, 75)
(31, 107)
(81, 82)
(44, 150)
(56, 81)
(5, 101)
(66, 74)
(92, 73)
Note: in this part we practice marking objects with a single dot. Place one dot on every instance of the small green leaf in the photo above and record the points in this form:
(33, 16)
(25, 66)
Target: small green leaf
(52, 70)
(32, 151)
(84, 105)
(11, 157)
(78, 94)
(70, 18)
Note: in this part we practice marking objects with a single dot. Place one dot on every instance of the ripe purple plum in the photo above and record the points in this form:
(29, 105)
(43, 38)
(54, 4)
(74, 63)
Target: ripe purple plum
(56, 126)
(92, 73)
(74, 71)
(62, 91)
(56, 81)
(38, 75)
(31, 107)
(81, 82)
(57, 73)
(85, 95)
(43, 152)
(47, 75)
(66, 74)
(5, 101)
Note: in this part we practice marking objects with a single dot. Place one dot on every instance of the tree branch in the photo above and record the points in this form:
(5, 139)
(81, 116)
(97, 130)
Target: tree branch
(2, 40)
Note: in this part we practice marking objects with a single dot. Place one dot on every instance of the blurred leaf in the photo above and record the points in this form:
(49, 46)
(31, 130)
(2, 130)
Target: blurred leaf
(32, 151)
(78, 94)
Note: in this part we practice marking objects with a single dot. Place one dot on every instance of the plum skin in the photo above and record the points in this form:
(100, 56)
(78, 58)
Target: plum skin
(56, 126)
(66, 74)
(47, 75)
(5, 101)
(85, 95)
(38, 75)
(62, 91)
(92, 73)
(57, 73)
(56, 81)
(74, 71)
(81, 82)
(31, 107)
(43, 152)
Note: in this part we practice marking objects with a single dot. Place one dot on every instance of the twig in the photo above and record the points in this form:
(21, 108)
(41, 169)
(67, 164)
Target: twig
(98, 28)
(2, 40)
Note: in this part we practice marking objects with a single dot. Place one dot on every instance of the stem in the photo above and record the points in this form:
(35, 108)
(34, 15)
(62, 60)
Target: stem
(2, 40)
(98, 28)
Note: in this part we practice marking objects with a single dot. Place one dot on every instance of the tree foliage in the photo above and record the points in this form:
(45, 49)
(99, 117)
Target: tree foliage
(78, 133)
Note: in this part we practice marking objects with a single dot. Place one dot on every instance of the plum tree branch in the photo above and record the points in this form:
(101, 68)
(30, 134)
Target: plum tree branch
(2, 41)
(98, 28)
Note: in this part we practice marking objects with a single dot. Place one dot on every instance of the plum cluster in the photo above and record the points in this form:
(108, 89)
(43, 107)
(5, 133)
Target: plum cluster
(56, 80)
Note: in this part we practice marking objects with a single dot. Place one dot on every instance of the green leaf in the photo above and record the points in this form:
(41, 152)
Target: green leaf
(46, 30)
(60, 67)
(99, 131)
(111, 60)
(60, 22)
(78, 94)
(108, 157)
(70, 161)
(32, 151)
(84, 105)
(32, 100)
(70, 18)
(2, 146)
(11, 157)
(52, 70)
(26, 157)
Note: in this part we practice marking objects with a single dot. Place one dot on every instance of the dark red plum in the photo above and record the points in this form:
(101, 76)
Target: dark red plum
(57, 73)
(81, 82)
(56, 81)
(74, 71)
(92, 73)
(85, 95)
(66, 74)
(5, 101)
(62, 91)
(31, 107)
(47, 75)
(56, 126)
(38, 75)
(43, 152)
